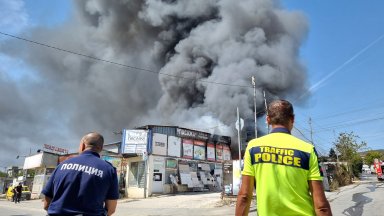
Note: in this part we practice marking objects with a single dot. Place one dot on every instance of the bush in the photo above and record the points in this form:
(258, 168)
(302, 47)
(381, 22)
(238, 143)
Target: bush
(357, 165)
(341, 177)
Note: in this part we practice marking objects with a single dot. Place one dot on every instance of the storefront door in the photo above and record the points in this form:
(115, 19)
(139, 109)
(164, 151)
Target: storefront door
(158, 175)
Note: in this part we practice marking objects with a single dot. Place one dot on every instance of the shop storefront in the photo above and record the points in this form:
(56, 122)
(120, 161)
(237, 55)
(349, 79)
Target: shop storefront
(171, 159)
(44, 163)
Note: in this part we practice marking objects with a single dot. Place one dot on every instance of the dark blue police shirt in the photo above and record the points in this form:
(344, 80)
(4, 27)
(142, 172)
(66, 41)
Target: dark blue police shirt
(80, 185)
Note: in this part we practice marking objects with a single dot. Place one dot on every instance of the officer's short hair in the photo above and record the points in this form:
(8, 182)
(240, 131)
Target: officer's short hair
(280, 112)
(94, 139)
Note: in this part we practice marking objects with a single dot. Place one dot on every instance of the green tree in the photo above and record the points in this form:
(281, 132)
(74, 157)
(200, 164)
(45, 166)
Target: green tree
(3, 174)
(348, 147)
(371, 155)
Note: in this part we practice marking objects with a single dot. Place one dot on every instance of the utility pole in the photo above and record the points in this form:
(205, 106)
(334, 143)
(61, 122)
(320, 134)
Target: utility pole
(266, 110)
(254, 101)
(310, 126)
(239, 134)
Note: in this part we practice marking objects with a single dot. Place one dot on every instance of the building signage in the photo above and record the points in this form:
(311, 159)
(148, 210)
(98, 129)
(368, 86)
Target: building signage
(226, 153)
(188, 148)
(219, 152)
(222, 139)
(134, 141)
(174, 146)
(159, 144)
(171, 164)
(191, 134)
(211, 152)
(199, 150)
(54, 149)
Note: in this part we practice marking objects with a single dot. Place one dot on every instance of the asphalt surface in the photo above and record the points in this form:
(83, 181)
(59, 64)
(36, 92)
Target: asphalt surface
(364, 198)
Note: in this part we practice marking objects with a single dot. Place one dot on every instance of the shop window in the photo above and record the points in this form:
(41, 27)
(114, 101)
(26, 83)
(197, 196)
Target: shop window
(136, 174)
(170, 169)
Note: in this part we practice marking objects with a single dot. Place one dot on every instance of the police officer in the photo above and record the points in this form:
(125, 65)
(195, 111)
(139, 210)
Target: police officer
(18, 191)
(285, 168)
(83, 185)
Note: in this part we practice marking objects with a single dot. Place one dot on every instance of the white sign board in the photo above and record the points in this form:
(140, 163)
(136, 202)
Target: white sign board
(174, 146)
(134, 141)
(159, 144)
(33, 161)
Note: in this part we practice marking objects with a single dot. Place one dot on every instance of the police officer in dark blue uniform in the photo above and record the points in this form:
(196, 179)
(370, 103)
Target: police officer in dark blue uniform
(83, 185)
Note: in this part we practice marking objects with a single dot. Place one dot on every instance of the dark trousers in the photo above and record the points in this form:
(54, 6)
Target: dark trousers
(17, 197)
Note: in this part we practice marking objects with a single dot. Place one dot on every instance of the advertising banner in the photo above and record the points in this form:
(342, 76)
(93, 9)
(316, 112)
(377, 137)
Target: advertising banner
(219, 152)
(159, 144)
(174, 146)
(226, 153)
(187, 148)
(198, 150)
(211, 152)
(134, 141)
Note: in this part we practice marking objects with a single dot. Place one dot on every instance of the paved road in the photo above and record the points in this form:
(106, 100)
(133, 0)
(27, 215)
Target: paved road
(364, 198)
(182, 204)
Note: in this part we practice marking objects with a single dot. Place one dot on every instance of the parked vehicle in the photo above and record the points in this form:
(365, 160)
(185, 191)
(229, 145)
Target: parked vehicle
(379, 166)
(25, 194)
(365, 169)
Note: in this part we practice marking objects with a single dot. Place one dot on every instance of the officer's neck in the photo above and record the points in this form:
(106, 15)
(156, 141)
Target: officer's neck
(288, 127)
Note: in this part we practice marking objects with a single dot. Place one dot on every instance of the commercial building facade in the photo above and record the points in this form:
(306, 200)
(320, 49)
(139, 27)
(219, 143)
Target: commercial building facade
(167, 159)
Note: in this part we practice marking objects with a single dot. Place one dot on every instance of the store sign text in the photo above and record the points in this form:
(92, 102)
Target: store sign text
(191, 134)
(55, 149)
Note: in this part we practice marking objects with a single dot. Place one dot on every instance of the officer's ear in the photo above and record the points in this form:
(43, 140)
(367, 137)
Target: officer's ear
(268, 120)
(81, 146)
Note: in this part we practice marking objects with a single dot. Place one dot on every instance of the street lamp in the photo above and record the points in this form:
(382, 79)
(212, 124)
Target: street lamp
(24, 170)
(18, 156)
(254, 100)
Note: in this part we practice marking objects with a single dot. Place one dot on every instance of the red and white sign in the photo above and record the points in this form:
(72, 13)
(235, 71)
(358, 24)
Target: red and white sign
(226, 153)
(54, 149)
(187, 148)
(211, 152)
(219, 152)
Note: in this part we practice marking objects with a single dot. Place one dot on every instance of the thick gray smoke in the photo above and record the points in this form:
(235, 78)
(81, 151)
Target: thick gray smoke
(201, 52)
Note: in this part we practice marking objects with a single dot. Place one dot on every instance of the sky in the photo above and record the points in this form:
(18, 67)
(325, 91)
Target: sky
(343, 55)
(332, 53)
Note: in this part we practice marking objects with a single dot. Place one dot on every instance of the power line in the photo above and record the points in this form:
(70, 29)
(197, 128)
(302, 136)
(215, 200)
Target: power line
(349, 123)
(117, 63)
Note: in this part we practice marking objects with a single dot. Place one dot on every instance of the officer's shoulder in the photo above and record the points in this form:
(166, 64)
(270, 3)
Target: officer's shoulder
(304, 144)
(109, 164)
